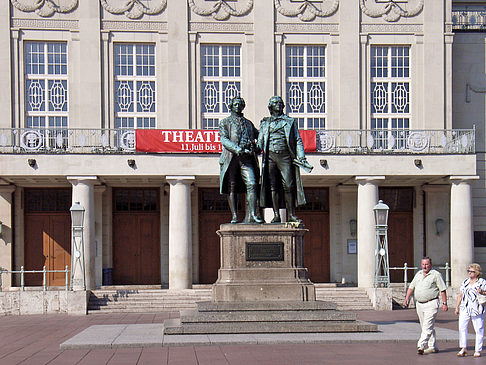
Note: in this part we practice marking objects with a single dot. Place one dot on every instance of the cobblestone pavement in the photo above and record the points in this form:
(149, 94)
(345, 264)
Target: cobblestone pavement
(36, 339)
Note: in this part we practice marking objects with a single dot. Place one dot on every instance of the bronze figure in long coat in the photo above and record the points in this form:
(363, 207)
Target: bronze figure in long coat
(280, 141)
(239, 170)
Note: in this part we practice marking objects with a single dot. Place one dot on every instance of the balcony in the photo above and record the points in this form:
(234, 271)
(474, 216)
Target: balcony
(469, 18)
(335, 142)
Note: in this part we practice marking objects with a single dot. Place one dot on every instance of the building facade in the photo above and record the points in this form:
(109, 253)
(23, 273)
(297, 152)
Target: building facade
(394, 91)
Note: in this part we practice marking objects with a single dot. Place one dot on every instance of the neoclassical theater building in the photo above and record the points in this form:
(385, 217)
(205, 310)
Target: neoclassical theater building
(115, 104)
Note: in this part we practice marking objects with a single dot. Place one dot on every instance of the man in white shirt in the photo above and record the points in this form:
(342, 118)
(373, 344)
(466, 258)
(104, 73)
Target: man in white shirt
(427, 284)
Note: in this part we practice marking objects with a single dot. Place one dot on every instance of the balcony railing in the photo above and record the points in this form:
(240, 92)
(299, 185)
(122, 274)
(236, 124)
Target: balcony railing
(123, 141)
(469, 18)
(396, 141)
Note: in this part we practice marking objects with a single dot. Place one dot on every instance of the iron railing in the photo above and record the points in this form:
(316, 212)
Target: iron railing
(469, 18)
(121, 141)
(405, 269)
(44, 272)
(396, 141)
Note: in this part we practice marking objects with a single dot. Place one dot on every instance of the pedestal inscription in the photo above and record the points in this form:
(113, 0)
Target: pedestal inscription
(262, 262)
(267, 251)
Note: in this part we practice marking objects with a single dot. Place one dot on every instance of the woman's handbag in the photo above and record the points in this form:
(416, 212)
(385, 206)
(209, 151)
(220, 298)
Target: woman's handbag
(481, 299)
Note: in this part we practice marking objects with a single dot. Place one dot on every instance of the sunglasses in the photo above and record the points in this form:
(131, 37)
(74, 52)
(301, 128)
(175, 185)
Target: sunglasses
(471, 271)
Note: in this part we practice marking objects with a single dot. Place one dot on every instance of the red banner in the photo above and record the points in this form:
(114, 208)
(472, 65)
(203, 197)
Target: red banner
(194, 140)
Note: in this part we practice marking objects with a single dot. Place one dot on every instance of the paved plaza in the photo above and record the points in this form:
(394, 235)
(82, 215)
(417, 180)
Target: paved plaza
(136, 339)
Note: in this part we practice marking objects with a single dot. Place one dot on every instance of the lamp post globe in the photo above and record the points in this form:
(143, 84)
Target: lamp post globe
(381, 213)
(77, 215)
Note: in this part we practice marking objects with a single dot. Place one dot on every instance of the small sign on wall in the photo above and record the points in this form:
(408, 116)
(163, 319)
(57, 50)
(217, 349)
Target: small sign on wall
(352, 246)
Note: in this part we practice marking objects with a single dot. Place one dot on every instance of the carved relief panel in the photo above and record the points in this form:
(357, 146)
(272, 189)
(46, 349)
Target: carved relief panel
(134, 9)
(45, 8)
(391, 10)
(221, 9)
(306, 10)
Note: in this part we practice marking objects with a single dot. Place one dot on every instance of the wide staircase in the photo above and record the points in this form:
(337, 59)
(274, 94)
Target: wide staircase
(152, 300)
(347, 298)
(126, 299)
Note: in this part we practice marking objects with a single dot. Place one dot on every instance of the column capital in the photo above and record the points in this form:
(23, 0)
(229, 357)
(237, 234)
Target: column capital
(369, 179)
(7, 188)
(436, 188)
(347, 188)
(173, 180)
(82, 179)
(100, 188)
(458, 179)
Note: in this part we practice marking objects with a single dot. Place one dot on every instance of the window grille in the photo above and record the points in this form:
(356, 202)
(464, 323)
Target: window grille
(390, 96)
(135, 90)
(220, 81)
(46, 91)
(306, 85)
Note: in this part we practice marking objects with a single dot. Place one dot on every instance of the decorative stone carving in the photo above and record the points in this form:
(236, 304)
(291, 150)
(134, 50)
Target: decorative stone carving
(391, 28)
(305, 10)
(45, 24)
(391, 10)
(127, 25)
(133, 9)
(44, 8)
(220, 27)
(307, 27)
(221, 10)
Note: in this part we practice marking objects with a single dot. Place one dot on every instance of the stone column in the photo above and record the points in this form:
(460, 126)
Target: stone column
(6, 235)
(98, 238)
(178, 66)
(462, 241)
(83, 192)
(367, 199)
(180, 232)
(6, 65)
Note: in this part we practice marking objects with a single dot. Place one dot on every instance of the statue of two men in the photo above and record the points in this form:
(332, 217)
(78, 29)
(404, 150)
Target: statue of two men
(283, 152)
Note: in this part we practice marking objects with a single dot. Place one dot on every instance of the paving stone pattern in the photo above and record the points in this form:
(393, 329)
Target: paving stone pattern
(36, 340)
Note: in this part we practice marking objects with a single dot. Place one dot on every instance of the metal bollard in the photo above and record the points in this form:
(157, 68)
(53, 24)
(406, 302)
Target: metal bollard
(67, 278)
(405, 276)
(44, 281)
(448, 279)
(22, 283)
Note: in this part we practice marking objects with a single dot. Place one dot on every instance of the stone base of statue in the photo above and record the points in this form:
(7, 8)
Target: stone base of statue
(262, 262)
(263, 287)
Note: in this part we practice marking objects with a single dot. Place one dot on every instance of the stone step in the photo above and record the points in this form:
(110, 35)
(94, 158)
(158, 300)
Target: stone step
(131, 299)
(210, 306)
(193, 316)
(175, 327)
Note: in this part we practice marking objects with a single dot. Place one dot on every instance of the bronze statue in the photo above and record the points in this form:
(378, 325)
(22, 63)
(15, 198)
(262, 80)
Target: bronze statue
(239, 171)
(283, 154)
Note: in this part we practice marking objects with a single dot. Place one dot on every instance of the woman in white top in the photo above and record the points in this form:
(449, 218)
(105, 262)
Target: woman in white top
(468, 308)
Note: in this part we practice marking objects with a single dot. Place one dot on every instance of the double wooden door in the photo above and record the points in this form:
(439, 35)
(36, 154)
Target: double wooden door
(400, 228)
(136, 237)
(47, 237)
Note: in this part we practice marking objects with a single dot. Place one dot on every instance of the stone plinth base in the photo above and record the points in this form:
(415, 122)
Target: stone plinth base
(265, 317)
(262, 262)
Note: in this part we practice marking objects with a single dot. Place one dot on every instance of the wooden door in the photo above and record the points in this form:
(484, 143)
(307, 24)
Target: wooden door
(400, 242)
(136, 237)
(209, 250)
(47, 240)
(315, 215)
(213, 211)
(316, 245)
(400, 228)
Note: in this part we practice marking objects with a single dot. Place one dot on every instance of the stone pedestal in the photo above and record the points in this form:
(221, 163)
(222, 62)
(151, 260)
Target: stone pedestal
(263, 287)
(262, 262)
